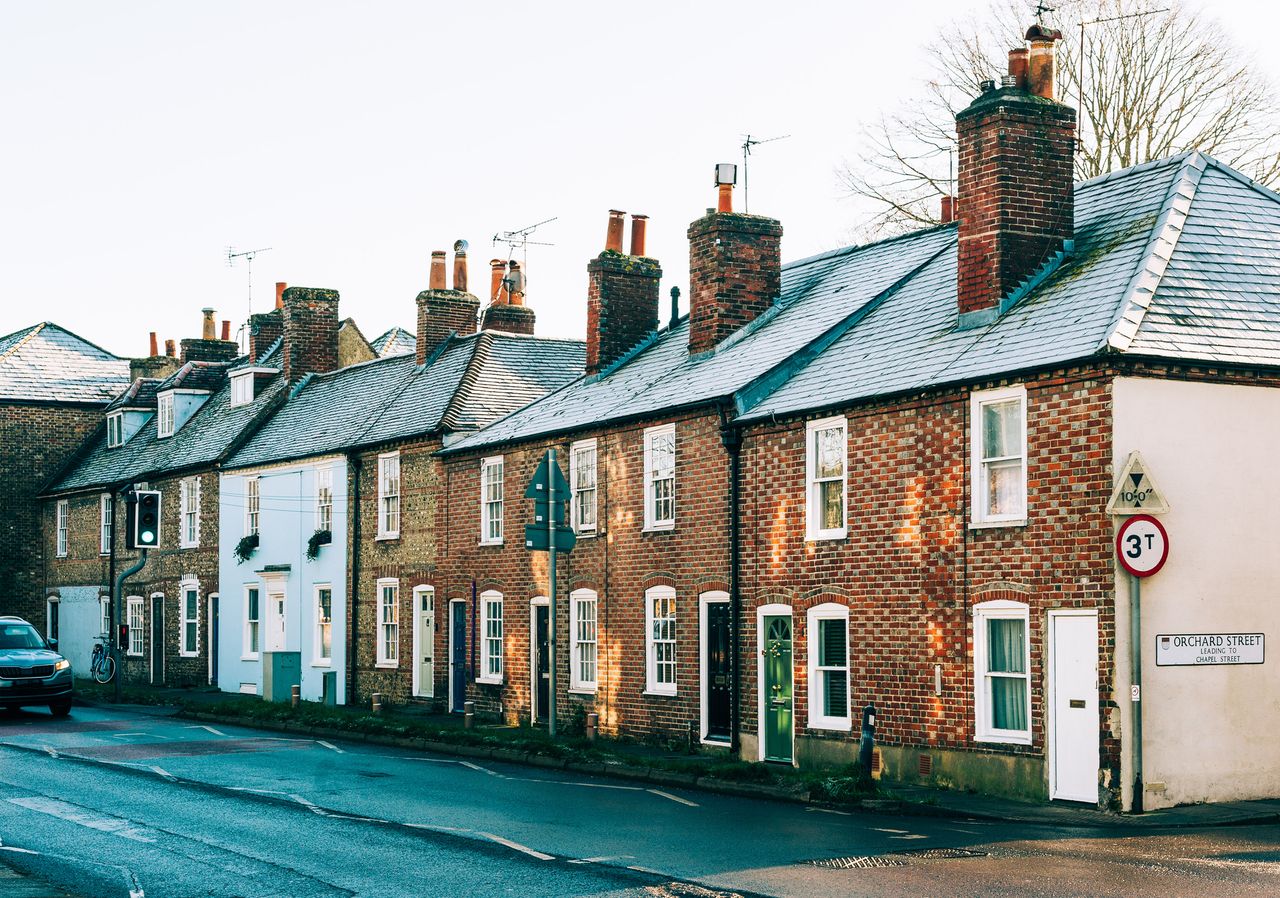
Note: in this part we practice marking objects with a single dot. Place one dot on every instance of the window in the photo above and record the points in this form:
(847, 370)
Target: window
(52, 605)
(107, 519)
(136, 631)
(115, 430)
(252, 621)
(105, 607)
(189, 512)
(998, 427)
(164, 415)
(324, 498)
(829, 667)
(660, 639)
(189, 635)
(61, 511)
(389, 495)
(252, 500)
(324, 625)
(388, 623)
(242, 389)
(1002, 661)
(491, 471)
(582, 636)
(827, 450)
(491, 637)
(660, 477)
(582, 481)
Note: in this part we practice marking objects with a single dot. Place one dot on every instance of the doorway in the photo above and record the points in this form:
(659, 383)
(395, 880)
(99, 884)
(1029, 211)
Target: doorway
(776, 718)
(275, 641)
(424, 642)
(717, 684)
(540, 662)
(212, 618)
(457, 654)
(157, 639)
(1073, 705)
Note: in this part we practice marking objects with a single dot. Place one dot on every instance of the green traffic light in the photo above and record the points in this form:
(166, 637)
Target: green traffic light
(147, 536)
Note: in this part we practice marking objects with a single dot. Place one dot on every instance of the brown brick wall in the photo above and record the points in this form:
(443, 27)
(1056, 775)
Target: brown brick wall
(440, 313)
(622, 306)
(310, 331)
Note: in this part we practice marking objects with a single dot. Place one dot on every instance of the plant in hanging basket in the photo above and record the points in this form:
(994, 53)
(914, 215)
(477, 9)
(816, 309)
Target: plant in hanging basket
(245, 547)
(318, 539)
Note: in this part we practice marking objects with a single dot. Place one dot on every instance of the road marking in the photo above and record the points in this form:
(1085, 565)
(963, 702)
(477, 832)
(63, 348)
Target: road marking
(263, 791)
(881, 829)
(518, 847)
(166, 774)
(659, 792)
(909, 836)
(202, 727)
(438, 827)
(482, 769)
(308, 805)
(50, 750)
(330, 746)
(603, 858)
(17, 850)
(595, 785)
(830, 811)
(116, 826)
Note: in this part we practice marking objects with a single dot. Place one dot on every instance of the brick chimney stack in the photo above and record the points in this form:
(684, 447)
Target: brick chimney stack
(622, 295)
(507, 311)
(735, 271)
(310, 331)
(208, 348)
(155, 365)
(441, 311)
(1016, 203)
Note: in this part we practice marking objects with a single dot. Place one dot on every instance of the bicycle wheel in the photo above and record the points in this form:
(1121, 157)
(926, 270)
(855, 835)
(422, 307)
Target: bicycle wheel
(105, 670)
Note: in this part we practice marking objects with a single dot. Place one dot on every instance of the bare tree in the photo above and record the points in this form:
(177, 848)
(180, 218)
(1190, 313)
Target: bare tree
(1149, 78)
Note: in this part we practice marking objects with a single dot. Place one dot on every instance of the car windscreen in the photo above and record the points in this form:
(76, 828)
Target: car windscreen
(20, 636)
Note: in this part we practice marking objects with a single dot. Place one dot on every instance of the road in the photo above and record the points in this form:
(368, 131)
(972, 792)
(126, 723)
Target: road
(121, 803)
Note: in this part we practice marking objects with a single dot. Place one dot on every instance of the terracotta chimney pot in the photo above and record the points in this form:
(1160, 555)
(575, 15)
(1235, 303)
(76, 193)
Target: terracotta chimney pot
(437, 281)
(613, 236)
(460, 266)
(497, 271)
(226, 330)
(280, 288)
(170, 349)
(155, 345)
(1019, 61)
(208, 330)
(637, 234)
(725, 203)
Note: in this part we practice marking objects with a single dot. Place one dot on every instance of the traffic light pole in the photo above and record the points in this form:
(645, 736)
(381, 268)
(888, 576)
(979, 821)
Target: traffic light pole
(551, 576)
(117, 599)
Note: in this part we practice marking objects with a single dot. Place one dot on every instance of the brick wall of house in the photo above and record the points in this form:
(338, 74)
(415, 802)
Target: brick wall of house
(35, 441)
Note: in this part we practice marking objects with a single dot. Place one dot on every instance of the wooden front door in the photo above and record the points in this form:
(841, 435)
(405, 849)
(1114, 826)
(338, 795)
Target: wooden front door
(542, 663)
(719, 683)
(425, 643)
(157, 639)
(457, 655)
(775, 666)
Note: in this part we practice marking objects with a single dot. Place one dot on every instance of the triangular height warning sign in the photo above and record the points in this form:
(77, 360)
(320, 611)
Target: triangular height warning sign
(1136, 492)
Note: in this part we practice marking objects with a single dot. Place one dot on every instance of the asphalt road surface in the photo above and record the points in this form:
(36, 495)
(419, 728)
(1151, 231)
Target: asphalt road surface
(119, 803)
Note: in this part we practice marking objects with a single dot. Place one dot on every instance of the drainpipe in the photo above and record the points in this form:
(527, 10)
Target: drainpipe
(113, 622)
(354, 501)
(119, 591)
(732, 438)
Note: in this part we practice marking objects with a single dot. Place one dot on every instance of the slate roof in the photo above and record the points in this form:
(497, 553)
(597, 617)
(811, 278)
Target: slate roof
(207, 376)
(1178, 259)
(48, 363)
(468, 383)
(396, 341)
(139, 394)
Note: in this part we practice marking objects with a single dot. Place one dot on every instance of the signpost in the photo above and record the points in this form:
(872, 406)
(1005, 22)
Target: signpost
(549, 533)
(1199, 649)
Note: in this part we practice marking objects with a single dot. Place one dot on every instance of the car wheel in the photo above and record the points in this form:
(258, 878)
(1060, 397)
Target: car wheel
(61, 709)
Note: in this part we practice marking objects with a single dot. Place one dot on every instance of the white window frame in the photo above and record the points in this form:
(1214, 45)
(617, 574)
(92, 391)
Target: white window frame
(492, 507)
(242, 389)
(388, 624)
(164, 415)
(651, 644)
(252, 504)
(818, 718)
(389, 490)
(115, 430)
(577, 682)
(318, 657)
(324, 498)
(492, 635)
(62, 515)
(104, 603)
(135, 615)
(583, 446)
(651, 521)
(186, 590)
(982, 613)
(251, 649)
(106, 523)
(980, 517)
(813, 506)
(189, 513)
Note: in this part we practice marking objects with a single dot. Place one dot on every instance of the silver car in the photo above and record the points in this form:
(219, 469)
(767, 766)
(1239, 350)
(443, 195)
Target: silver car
(31, 670)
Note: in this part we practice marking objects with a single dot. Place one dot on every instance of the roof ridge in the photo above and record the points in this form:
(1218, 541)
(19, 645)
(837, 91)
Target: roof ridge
(1146, 279)
(1140, 168)
(1240, 176)
(466, 383)
(35, 329)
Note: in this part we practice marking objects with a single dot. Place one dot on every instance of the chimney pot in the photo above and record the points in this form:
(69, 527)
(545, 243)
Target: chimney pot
(170, 349)
(497, 273)
(155, 345)
(725, 203)
(436, 281)
(948, 211)
(514, 282)
(208, 330)
(226, 330)
(1018, 61)
(987, 86)
(675, 306)
(637, 234)
(1040, 60)
(613, 237)
(460, 266)
(280, 288)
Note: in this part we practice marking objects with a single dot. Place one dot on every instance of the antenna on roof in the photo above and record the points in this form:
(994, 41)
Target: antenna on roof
(747, 143)
(520, 238)
(247, 255)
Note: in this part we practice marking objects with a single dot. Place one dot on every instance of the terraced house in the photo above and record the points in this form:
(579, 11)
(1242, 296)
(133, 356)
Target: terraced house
(883, 476)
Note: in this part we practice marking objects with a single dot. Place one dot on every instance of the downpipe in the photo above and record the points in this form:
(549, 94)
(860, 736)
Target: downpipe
(119, 598)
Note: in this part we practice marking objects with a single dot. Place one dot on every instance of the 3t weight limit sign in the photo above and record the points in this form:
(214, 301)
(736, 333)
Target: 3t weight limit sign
(1142, 545)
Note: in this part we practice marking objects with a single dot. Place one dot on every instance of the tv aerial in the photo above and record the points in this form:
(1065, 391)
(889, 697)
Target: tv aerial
(747, 143)
(248, 256)
(519, 239)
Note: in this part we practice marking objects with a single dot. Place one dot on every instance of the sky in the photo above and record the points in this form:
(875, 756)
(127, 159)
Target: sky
(352, 139)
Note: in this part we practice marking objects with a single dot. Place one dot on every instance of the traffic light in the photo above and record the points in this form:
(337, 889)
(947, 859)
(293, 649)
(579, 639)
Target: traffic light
(144, 520)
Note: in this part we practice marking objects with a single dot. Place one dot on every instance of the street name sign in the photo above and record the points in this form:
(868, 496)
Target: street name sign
(1200, 649)
(1142, 545)
(1136, 491)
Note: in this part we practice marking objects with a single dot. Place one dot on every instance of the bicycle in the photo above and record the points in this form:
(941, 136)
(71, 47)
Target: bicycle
(103, 667)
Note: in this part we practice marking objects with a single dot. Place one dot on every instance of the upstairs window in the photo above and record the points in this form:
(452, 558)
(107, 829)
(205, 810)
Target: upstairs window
(164, 415)
(189, 512)
(582, 481)
(491, 473)
(828, 630)
(61, 513)
(115, 430)
(660, 477)
(241, 389)
(998, 428)
(1002, 680)
(826, 455)
(251, 505)
(324, 498)
(389, 495)
(107, 523)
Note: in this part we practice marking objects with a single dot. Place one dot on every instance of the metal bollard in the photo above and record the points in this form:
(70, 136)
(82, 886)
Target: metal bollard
(693, 737)
(593, 723)
(295, 695)
(868, 741)
(376, 702)
(468, 715)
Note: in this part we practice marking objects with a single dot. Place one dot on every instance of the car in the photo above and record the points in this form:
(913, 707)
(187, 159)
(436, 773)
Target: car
(31, 670)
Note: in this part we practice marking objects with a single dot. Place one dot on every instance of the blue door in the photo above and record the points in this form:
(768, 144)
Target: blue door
(457, 655)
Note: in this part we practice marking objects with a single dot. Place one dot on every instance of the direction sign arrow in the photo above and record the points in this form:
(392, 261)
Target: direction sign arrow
(547, 480)
(537, 539)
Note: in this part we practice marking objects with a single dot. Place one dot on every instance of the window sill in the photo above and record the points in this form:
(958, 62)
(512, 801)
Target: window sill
(134, 655)
(322, 664)
(586, 534)
(582, 690)
(188, 654)
(659, 528)
(991, 525)
(250, 657)
(1012, 739)
(832, 725)
(488, 681)
(190, 546)
(387, 665)
(387, 536)
(490, 542)
(653, 693)
(826, 536)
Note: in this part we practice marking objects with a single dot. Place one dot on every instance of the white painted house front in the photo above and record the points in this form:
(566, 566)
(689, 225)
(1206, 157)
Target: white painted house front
(279, 600)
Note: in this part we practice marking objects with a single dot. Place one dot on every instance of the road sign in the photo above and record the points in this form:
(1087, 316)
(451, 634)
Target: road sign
(1142, 545)
(1200, 649)
(1136, 491)
(549, 491)
(547, 481)
(537, 539)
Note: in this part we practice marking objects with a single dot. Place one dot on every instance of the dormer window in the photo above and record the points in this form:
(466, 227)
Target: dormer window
(164, 415)
(241, 389)
(115, 430)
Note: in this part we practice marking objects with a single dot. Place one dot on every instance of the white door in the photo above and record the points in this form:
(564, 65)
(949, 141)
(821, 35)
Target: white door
(275, 622)
(1074, 725)
(424, 641)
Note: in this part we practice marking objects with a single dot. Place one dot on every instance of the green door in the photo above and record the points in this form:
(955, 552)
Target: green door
(776, 665)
